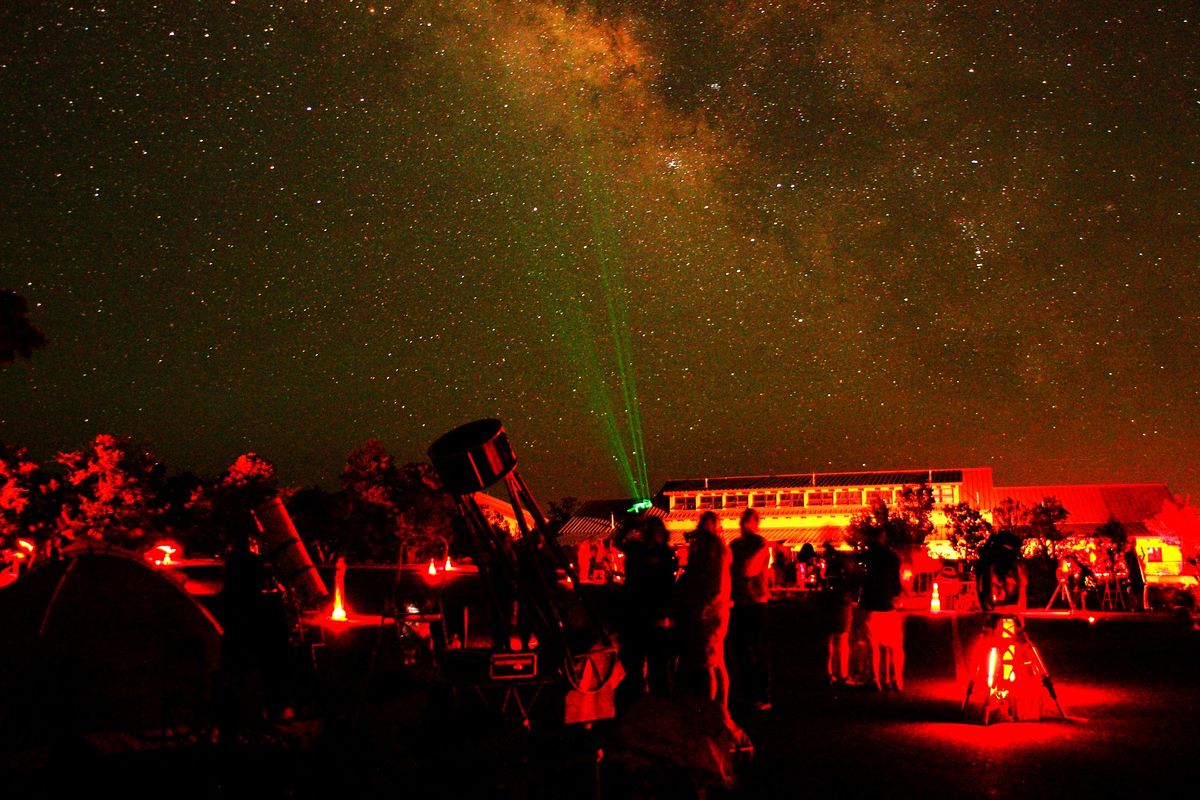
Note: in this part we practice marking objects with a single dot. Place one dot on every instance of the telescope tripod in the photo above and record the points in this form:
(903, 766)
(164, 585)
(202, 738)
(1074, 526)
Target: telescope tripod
(1015, 672)
(1062, 590)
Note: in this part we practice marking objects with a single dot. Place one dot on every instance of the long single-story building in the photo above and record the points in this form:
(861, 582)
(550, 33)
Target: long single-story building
(816, 507)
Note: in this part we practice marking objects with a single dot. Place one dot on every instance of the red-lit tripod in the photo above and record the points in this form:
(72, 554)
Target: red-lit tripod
(1015, 672)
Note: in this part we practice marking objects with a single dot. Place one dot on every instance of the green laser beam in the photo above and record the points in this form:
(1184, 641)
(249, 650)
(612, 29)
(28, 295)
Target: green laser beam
(569, 293)
(565, 292)
(613, 287)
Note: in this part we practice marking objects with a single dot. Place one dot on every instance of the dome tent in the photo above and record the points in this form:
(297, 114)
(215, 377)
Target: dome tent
(102, 642)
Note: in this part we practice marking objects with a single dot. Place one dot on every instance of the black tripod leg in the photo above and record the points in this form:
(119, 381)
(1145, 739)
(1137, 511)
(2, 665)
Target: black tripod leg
(1047, 681)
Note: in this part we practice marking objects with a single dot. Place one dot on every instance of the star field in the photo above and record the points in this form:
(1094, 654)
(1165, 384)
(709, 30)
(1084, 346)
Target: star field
(904, 234)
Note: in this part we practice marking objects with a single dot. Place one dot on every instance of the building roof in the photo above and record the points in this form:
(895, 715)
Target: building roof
(1095, 504)
(977, 487)
(817, 480)
(597, 519)
(583, 529)
(617, 508)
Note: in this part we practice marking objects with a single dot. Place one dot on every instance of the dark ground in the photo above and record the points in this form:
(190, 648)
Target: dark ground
(1130, 685)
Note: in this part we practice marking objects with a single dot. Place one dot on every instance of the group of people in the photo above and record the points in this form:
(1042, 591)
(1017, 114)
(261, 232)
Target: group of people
(860, 605)
(673, 631)
(1112, 576)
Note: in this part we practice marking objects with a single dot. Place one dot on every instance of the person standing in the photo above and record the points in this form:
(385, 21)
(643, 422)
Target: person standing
(703, 616)
(885, 628)
(837, 605)
(645, 652)
(1137, 580)
(254, 680)
(750, 564)
(1000, 578)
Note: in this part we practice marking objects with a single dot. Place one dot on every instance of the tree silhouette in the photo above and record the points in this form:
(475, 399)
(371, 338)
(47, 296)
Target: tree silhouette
(968, 529)
(905, 524)
(1044, 517)
(562, 511)
(226, 504)
(1113, 531)
(370, 502)
(30, 499)
(112, 490)
(1011, 516)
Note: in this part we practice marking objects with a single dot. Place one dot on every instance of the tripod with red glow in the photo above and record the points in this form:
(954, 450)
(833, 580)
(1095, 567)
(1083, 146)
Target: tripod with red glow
(1015, 672)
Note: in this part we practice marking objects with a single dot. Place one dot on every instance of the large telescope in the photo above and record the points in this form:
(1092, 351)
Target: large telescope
(471, 458)
(287, 553)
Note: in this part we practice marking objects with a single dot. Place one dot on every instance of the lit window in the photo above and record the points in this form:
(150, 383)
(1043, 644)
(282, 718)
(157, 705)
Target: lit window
(848, 498)
(737, 500)
(820, 499)
(762, 499)
(792, 499)
(685, 503)
(943, 494)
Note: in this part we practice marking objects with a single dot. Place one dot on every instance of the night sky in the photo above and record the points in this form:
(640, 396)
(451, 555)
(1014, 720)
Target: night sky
(911, 234)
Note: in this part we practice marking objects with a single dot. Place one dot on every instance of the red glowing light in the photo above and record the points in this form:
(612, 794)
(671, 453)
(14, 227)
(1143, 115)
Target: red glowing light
(432, 568)
(907, 575)
(25, 545)
(935, 601)
(449, 566)
(160, 554)
(339, 582)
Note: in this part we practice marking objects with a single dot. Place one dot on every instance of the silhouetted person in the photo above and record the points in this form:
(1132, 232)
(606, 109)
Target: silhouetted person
(650, 567)
(806, 565)
(1137, 581)
(750, 560)
(837, 612)
(254, 647)
(1000, 575)
(703, 618)
(885, 627)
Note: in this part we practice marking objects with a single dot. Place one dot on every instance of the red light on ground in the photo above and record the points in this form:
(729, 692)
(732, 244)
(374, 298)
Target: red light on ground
(935, 600)
(432, 569)
(1011, 740)
(449, 566)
